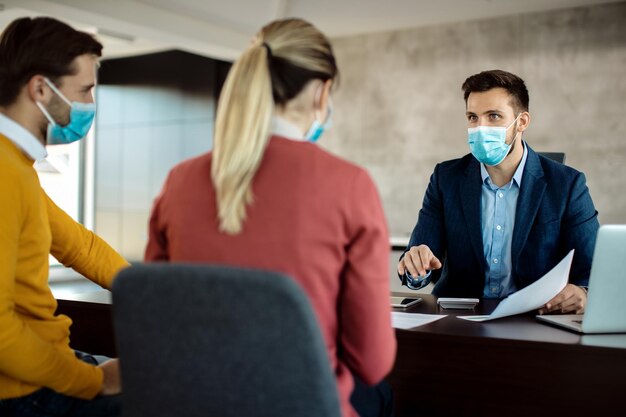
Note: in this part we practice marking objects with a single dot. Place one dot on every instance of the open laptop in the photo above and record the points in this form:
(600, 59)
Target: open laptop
(606, 302)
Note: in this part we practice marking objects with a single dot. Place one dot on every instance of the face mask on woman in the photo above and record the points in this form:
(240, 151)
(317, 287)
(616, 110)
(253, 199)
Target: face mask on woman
(317, 129)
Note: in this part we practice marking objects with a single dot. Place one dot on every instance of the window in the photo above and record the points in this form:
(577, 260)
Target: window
(62, 175)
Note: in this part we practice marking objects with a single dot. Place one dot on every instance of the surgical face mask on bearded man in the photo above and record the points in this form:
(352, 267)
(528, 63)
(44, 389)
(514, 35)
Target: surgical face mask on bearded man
(488, 143)
(81, 119)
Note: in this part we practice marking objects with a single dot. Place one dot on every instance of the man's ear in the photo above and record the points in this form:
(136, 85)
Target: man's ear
(37, 90)
(524, 121)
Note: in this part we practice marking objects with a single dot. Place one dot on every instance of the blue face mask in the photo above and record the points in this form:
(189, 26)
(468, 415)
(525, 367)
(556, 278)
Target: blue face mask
(488, 143)
(317, 129)
(81, 119)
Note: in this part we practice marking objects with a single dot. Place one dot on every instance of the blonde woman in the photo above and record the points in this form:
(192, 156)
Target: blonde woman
(267, 197)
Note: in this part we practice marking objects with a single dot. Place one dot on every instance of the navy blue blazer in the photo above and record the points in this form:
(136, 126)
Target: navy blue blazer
(554, 214)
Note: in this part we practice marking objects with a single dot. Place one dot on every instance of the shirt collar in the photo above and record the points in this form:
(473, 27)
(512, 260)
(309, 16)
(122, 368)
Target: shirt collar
(22, 138)
(284, 128)
(517, 176)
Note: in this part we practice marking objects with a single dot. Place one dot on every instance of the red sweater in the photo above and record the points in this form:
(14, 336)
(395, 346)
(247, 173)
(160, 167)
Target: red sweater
(315, 218)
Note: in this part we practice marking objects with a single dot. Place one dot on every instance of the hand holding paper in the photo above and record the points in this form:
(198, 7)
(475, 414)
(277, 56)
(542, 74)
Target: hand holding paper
(571, 300)
(534, 296)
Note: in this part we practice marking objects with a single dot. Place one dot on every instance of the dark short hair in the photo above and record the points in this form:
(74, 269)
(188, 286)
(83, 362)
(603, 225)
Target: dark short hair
(487, 80)
(42, 45)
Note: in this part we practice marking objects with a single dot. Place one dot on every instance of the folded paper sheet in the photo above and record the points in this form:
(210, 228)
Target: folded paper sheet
(401, 320)
(534, 296)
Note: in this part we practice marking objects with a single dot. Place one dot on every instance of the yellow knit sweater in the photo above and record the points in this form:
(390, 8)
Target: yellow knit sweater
(34, 342)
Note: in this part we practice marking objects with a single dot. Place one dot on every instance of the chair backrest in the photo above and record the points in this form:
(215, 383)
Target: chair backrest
(218, 341)
(555, 156)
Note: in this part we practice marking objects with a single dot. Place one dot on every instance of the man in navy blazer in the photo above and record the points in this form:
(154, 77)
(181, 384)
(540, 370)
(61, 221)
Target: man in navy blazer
(502, 216)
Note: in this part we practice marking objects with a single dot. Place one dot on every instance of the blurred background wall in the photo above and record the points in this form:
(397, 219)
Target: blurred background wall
(400, 109)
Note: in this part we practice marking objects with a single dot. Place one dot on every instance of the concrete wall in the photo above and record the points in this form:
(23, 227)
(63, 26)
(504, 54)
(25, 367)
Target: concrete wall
(399, 108)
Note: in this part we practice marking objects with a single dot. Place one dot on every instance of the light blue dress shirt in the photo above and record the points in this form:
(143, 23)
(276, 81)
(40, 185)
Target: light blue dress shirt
(498, 208)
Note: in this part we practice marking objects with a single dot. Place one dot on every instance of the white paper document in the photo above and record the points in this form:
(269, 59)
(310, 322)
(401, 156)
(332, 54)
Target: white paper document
(534, 296)
(401, 320)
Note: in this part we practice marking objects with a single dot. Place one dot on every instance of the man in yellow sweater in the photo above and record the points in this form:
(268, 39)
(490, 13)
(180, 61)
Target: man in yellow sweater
(47, 74)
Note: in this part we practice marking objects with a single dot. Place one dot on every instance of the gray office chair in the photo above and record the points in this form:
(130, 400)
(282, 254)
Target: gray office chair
(555, 156)
(217, 341)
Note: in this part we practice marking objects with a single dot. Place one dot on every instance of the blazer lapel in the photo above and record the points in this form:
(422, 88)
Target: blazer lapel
(471, 190)
(528, 203)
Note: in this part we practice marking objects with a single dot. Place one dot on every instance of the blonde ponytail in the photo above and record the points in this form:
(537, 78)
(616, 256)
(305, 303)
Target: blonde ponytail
(241, 134)
(284, 57)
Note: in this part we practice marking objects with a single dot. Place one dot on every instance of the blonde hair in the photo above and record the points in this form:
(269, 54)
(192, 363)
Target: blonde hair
(284, 56)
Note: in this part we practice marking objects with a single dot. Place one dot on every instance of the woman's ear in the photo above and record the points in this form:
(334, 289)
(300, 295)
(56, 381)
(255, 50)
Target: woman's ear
(325, 96)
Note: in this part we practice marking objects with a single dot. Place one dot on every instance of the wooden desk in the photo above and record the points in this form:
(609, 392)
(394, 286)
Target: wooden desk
(92, 323)
(509, 367)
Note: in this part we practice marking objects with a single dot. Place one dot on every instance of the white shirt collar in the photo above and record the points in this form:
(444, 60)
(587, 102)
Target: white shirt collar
(283, 127)
(22, 138)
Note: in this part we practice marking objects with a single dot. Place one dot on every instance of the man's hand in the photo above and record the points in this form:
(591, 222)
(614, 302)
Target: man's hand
(418, 261)
(111, 384)
(572, 299)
